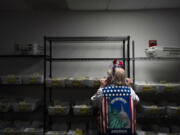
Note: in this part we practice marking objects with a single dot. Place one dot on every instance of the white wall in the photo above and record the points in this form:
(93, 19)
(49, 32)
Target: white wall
(161, 25)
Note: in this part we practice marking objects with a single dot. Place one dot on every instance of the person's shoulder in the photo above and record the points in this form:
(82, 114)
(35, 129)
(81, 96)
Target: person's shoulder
(100, 89)
(132, 91)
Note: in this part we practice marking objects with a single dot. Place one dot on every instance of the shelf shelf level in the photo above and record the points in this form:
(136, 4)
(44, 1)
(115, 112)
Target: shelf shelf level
(80, 39)
(20, 56)
(110, 59)
(85, 59)
(156, 58)
(13, 85)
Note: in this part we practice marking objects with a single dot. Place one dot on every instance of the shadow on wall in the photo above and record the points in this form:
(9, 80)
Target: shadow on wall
(20, 66)
(158, 71)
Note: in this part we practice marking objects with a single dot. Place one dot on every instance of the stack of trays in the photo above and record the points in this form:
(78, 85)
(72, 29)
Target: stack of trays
(82, 108)
(59, 108)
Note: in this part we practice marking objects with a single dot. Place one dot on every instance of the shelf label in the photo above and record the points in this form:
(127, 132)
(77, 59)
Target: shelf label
(146, 88)
(32, 80)
(75, 83)
(81, 78)
(83, 110)
(163, 82)
(22, 108)
(58, 110)
(55, 133)
(55, 83)
(168, 88)
(78, 132)
(148, 133)
(154, 110)
(11, 80)
(178, 110)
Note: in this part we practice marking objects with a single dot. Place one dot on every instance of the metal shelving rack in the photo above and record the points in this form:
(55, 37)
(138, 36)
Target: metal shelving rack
(19, 56)
(48, 43)
(163, 119)
(50, 40)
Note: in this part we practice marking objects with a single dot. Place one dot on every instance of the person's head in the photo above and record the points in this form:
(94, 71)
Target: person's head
(116, 77)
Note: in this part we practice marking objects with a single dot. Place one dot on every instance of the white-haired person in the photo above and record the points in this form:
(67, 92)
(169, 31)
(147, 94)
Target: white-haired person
(113, 97)
(115, 77)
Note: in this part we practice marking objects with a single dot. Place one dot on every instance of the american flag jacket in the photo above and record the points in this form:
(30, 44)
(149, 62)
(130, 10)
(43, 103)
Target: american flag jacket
(117, 111)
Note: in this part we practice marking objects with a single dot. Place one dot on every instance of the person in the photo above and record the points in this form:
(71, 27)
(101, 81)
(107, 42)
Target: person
(118, 79)
(115, 115)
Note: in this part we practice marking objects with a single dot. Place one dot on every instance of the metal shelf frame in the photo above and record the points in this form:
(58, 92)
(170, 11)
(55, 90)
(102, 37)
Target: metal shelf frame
(50, 40)
(156, 58)
(86, 39)
(19, 56)
(85, 59)
(48, 44)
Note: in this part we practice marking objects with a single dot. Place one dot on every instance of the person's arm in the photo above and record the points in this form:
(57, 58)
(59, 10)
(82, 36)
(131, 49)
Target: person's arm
(128, 82)
(134, 96)
(97, 96)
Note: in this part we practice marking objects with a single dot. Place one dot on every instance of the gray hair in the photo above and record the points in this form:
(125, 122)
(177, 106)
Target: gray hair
(118, 78)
